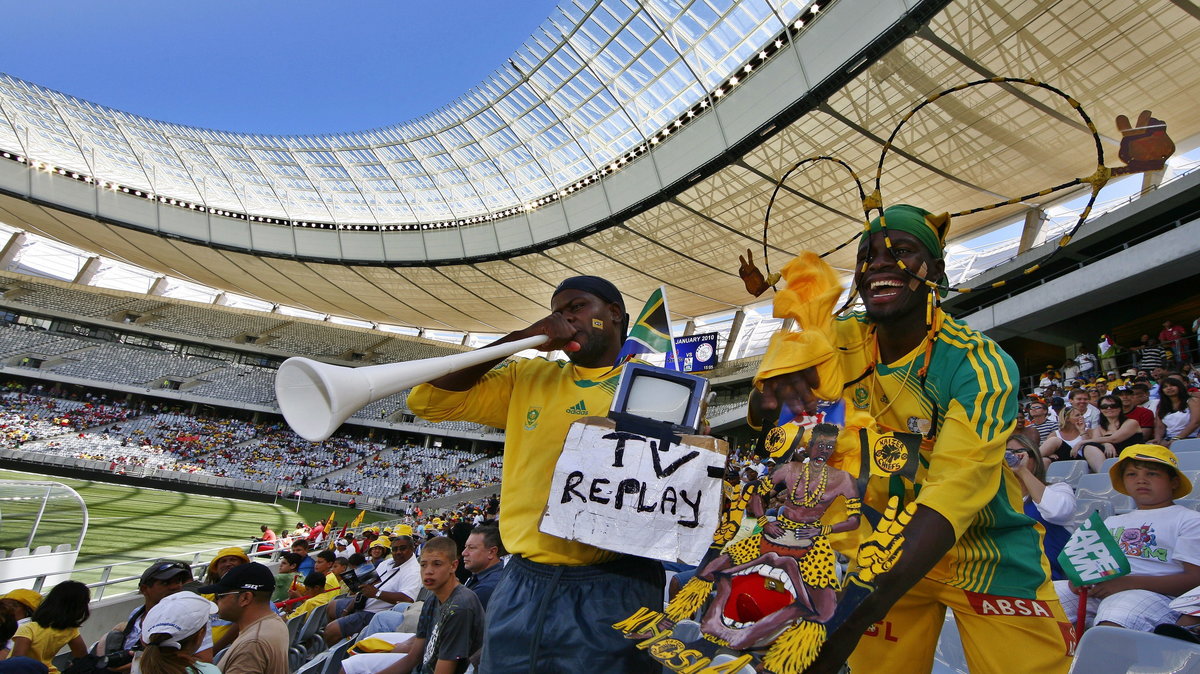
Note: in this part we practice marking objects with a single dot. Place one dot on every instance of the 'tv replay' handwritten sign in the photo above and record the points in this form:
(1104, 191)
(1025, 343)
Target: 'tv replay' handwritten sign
(627, 493)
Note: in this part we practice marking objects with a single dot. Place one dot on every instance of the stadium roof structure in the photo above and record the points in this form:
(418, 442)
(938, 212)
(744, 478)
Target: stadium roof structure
(639, 141)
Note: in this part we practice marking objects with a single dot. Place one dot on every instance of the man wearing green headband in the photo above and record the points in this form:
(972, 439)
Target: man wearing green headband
(969, 546)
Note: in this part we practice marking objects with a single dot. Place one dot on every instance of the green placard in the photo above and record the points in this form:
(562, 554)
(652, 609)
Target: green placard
(1092, 555)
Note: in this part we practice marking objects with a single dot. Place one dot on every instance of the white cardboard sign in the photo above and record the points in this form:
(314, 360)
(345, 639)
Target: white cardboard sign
(623, 492)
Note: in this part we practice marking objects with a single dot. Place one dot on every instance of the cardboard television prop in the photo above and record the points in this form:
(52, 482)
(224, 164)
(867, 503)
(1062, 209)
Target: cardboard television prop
(649, 394)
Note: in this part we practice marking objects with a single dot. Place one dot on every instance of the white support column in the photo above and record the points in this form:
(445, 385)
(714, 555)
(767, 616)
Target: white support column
(1034, 218)
(1151, 180)
(466, 340)
(734, 331)
(689, 329)
(8, 254)
(158, 287)
(221, 299)
(88, 271)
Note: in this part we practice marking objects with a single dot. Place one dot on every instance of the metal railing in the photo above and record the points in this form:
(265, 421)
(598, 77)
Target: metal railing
(110, 575)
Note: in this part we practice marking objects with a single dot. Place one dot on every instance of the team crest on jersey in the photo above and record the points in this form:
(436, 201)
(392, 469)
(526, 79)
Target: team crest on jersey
(861, 398)
(775, 439)
(531, 418)
(891, 454)
(918, 425)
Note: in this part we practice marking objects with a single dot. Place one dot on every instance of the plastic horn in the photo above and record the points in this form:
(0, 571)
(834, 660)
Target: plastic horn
(316, 398)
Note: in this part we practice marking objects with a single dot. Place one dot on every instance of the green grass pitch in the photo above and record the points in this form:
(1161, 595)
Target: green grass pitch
(133, 523)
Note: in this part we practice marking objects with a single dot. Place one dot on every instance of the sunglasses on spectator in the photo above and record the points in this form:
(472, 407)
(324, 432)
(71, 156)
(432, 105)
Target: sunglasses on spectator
(1109, 406)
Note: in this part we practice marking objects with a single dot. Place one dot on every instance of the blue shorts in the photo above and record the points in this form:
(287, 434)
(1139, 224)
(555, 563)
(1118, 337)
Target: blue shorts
(354, 623)
(544, 618)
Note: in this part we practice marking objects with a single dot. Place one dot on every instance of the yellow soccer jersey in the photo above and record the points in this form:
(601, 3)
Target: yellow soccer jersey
(965, 410)
(534, 401)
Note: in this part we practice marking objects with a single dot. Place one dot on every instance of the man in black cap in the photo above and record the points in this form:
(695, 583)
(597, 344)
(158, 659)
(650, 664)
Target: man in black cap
(553, 608)
(160, 580)
(243, 596)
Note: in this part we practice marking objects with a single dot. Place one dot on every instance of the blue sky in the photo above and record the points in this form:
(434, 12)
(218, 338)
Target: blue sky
(266, 66)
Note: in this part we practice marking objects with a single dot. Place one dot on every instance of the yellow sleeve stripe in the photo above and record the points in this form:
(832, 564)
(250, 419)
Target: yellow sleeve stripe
(994, 384)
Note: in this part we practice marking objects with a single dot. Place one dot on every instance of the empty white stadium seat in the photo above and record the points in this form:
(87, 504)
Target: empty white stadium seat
(949, 657)
(1115, 649)
(1084, 507)
(1186, 445)
(1095, 484)
(1188, 461)
(1066, 471)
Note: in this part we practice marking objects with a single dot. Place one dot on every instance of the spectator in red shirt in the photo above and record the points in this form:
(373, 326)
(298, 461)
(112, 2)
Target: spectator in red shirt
(1174, 337)
(1130, 407)
(315, 533)
(267, 539)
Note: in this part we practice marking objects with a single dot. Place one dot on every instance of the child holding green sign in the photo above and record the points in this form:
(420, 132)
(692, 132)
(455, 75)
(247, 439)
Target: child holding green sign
(1160, 539)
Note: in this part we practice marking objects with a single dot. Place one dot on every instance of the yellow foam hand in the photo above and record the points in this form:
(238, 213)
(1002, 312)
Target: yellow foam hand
(1147, 146)
(882, 550)
(756, 284)
(810, 297)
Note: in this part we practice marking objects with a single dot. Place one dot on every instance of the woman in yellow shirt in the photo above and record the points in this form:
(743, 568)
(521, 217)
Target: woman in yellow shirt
(54, 624)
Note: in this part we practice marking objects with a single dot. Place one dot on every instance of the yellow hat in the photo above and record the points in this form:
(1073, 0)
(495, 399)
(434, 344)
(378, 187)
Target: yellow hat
(1155, 454)
(227, 552)
(382, 541)
(28, 598)
(404, 530)
(373, 645)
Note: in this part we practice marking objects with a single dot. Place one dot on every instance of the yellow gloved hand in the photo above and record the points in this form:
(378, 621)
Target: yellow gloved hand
(882, 550)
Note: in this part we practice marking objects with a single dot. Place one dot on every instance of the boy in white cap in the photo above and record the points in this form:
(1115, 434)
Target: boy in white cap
(1161, 540)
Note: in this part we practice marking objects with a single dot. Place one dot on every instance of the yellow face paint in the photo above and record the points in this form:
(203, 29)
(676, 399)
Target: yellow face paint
(913, 283)
(597, 323)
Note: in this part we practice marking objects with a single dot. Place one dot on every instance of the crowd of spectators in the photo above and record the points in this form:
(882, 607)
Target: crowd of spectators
(281, 456)
(417, 473)
(1086, 411)
(436, 485)
(149, 436)
(28, 417)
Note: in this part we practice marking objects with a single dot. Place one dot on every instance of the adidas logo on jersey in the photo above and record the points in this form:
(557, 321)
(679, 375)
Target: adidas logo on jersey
(578, 408)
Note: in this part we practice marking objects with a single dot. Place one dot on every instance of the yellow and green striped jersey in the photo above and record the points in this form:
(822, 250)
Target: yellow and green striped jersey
(965, 409)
